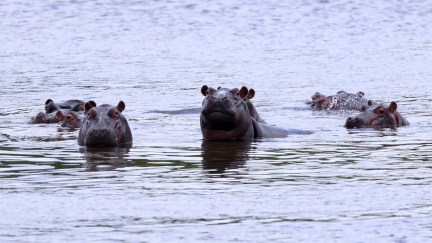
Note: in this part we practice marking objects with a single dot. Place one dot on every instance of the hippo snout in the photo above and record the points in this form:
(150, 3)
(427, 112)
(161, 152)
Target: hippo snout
(96, 137)
(353, 122)
(99, 133)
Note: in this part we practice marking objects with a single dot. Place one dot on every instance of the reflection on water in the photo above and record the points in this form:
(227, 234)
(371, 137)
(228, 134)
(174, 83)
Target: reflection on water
(218, 156)
(357, 185)
(102, 159)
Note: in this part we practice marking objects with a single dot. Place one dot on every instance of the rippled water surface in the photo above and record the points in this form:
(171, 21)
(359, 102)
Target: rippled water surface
(334, 185)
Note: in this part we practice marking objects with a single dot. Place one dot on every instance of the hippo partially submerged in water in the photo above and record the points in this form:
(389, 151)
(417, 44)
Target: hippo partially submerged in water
(378, 117)
(52, 108)
(72, 119)
(341, 101)
(228, 114)
(105, 126)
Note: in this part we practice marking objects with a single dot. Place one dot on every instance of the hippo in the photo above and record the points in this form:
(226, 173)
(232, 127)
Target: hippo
(51, 110)
(104, 126)
(72, 119)
(341, 101)
(378, 117)
(42, 117)
(226, 116)
(73, 105)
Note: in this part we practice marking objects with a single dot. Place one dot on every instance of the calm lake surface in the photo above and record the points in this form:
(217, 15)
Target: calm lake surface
(336, 185)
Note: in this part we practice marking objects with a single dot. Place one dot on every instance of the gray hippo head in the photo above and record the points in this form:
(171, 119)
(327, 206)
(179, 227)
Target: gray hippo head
(378, 117)
(104, 126)
(225, 115)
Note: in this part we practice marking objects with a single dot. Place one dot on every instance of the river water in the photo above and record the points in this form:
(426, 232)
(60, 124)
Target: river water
(336, 185)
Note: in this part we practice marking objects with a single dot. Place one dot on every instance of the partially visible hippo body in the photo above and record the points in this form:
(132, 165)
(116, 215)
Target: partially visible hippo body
(252, 111)
(341, 101)
(378, 117)
(105, 126)
(52, 108)
(73, 105)
(72, 119)
(225, 116)
(42, 117)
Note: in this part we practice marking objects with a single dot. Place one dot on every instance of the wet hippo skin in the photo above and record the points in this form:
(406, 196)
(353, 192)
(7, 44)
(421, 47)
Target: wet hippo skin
(378, 117)
(225, 115)
(341, 101)
(105, 126)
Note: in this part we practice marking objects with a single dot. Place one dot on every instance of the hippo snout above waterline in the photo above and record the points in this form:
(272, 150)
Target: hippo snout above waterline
(228, 114)
(378, 117)
(341, 101)
(105, 126)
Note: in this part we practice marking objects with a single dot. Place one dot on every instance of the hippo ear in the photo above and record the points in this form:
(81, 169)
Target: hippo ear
(204, 89)
(392, 107)
(92, 103)
(251, 94)
(121, 106)
(88, 106)
(48, 101)
(360, 94)
(244, 92)
(370, 103)
(59, 116)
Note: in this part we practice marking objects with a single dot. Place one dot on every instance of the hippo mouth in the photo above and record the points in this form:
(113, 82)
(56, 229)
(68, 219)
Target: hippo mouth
(354, 123)
(100, 138)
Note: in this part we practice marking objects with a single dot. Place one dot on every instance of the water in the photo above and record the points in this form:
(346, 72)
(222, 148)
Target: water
(336, 185)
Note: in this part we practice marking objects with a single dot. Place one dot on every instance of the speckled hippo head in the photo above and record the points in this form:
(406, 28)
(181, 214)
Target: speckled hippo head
(341, 101)
(105, 126)
(224, 114)
(378, 117)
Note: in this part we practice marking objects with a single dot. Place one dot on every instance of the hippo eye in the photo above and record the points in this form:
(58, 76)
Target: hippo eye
(115, 114)
(381, 111)
(90, 114)
(68, 118)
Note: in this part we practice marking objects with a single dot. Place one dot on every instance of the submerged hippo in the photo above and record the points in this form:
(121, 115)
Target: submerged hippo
(378, 117)
(225, 115)
(52, 108)
(341, 101)
(42, 117)
(72, 119)
(105, 126)
(73, 105)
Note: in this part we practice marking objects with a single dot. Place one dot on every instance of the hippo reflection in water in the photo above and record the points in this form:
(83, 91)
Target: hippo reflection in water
(105, 126)
(229, 114)
(378, 117)
(341, 101)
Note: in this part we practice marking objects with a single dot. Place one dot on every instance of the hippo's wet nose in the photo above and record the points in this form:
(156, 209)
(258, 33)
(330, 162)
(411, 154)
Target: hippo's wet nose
(99, 133)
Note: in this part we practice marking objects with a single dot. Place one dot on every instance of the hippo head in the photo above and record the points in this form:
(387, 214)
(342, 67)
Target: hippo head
(224, 110)
(320, 101)
(377, 117)
(104, 126)
(70, 120)
(50, 106)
